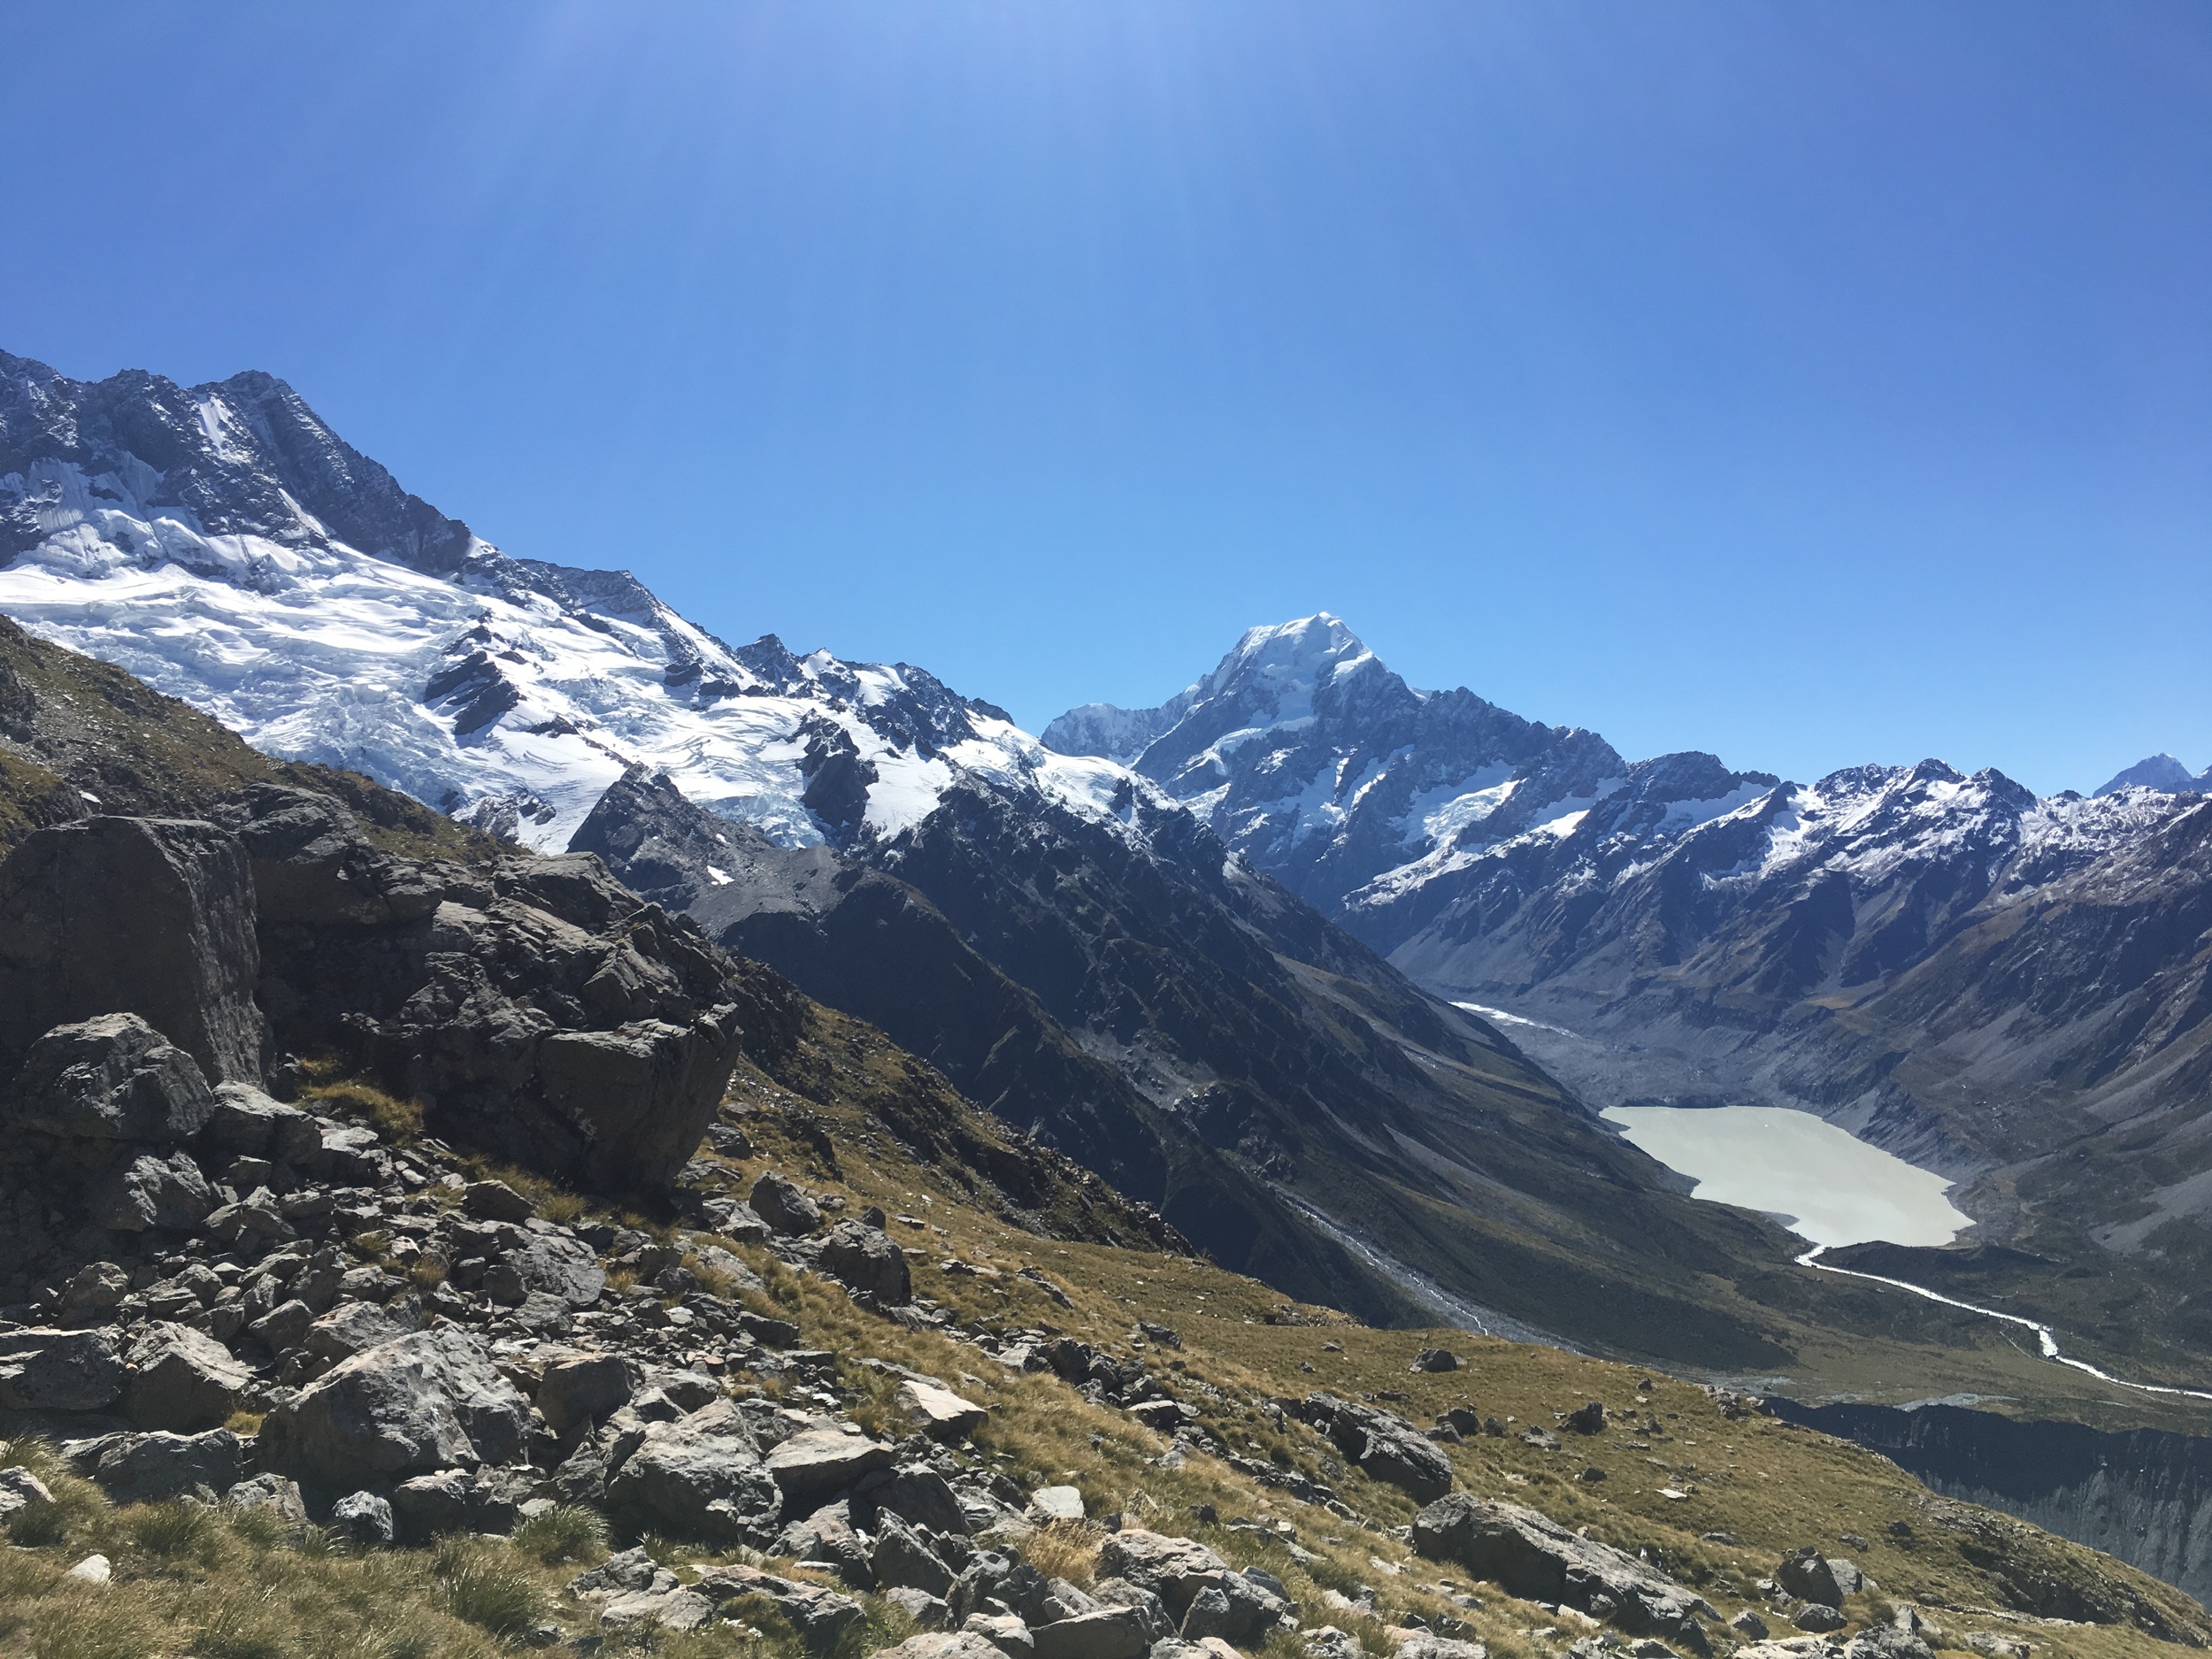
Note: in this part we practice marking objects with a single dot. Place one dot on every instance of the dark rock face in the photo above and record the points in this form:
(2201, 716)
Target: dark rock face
(153, 917)
(1529, 1555)
(2144, 1496)
(538, 1010)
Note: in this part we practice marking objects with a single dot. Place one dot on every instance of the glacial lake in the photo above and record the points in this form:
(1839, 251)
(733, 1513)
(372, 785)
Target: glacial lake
(1835, 1188)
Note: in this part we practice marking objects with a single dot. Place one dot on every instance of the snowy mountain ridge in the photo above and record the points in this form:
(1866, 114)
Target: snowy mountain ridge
(220, 542)
(1399, 811)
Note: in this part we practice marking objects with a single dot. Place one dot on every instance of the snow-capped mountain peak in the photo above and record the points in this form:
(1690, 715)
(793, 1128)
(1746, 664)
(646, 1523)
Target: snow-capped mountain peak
(2162, 774)
(225, 545)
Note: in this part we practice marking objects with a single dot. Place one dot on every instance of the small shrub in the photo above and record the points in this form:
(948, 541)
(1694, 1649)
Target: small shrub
(38, 1526)
(170, 1531)
(237, 1632)
(563, 1534)
(480, 1589)
(1065, 1549)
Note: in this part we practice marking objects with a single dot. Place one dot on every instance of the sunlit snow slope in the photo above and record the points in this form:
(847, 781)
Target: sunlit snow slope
(224, 545)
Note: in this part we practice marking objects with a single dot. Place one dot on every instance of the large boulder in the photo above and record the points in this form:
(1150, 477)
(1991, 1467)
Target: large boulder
(1384, 1446)
(59, 1370)
(778, 1202)
(864, 1259)
(938, 1413)
(1176, 1570)
(109, 1078)
(426, 1401)
(1810, 1576)
(539, 1011)
(557, 1265)
(154, 1468)
(143, 1190)
(699, 1478)
(641, 1095)
(1532, 1557)
(576, 1389)
(248, 1124)
(151, 916)
(182, 1380)
(815, 1465)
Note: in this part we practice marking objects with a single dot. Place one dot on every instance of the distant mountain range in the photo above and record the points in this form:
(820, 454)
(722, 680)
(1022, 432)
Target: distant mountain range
(2014, 991)
(1213, 948)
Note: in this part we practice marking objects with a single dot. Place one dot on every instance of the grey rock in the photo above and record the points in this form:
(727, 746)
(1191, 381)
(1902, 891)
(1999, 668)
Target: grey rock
(426, 1401)
(153, 1468)
(496, 1200)
(815, 1464)
(938, 1413)
(276, 1494)
(1329, 1642)
(676, 1610)
(428, 1505)
(1384, 1446)
(916, 1492)
(578, 1388)
(620, 1574)
(820, 1616)
(1109, 1633)
(777, 1200)
(1009, 1634)
(555, 1266)
(641, 1096)
(350, 1328)
(864, 1259)
(733, 1219)
(1145, 1603)
(956, 1644)
(182, 1380)
(247, 1124)
(112, 1078)
(1435, 1359)
(1818, 1618)
(284, 1326)
(827, 1536)
(924, 1608)
(1239, 1609)
(144, 1190)
(696, 1479)
(1529, 1555)
(1808, 1575)
(363, 1518)
(153, 918)
(1176, 1570)
(59, 1370)
(20, 1489)
(95, 1287)
(1056, 1504)
(1428, 1645)
(902, 1557)
(1749, 1625)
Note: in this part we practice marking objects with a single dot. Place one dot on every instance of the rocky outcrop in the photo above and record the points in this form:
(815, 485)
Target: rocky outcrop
(1532, 1557)
(537, 1009)
(698, 1477)
(1385, 1446)
(153, 917)
(427, 1401)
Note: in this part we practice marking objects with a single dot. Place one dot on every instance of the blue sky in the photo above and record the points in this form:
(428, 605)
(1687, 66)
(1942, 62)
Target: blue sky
(1812, 383)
